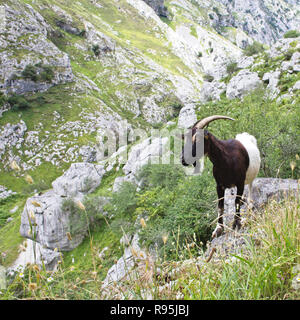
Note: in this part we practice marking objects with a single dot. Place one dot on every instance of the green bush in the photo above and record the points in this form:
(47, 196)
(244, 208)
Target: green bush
(292, 34)
(232, 67)
(166, 176)
(47, 74)
(18, 102)
(253, 48)
(30, 72)
(78, 218)
(96, 49)
(94, 209)
(38, 72)
(183, 214)
(2, 99)
(208, 77)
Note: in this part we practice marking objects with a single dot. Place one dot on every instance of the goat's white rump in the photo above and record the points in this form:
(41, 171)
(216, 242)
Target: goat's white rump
(250, 144)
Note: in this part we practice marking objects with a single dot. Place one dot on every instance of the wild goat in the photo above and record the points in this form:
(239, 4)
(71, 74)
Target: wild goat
(236, 162)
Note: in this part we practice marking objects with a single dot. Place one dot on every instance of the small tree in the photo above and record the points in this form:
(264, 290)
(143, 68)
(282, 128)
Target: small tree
(232, 67)
(30, 72)
(18, 102)
(253, 48)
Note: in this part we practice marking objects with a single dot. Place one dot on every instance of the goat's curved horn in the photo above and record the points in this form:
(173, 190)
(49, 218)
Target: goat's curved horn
(204, 122)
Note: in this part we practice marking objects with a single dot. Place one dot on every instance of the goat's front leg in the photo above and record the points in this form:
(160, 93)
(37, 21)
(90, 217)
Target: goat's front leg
(237, 217)
(220, 227)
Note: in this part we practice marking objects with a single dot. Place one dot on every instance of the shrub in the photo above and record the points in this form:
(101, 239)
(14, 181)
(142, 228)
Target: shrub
(253, 48)
(2, 99)
(182, 209)
(30, 72)
(94, 209)
(47, 74)
(38, 72)
(78, 218)
(232, 67)
(165, 175)
(96, 49)
(208, 77)
(18, 102)
(291, 34)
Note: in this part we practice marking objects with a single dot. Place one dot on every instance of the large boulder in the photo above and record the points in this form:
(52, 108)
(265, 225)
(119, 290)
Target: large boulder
(148, 151)
(187, 116)
(264, 190)
(34, 253)
(49, 218)
(212, 90)
(241, 84)
(78, 180)
(26, 32)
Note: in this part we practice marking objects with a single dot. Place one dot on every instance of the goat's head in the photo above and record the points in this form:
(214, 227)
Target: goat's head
(197, 141)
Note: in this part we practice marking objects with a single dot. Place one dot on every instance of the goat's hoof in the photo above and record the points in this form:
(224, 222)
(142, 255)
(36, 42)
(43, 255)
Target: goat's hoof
(218, 231)
(237, 224)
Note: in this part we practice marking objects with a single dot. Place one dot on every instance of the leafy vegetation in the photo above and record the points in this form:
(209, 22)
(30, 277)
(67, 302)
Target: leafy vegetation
(292, 34)
(18, 102)
(232, 67)
(38, 72)
(254, 48)
(265, 269)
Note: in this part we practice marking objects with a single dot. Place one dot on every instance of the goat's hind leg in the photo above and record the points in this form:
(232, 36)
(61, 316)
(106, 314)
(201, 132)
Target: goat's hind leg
(220, 227)
(237, 217)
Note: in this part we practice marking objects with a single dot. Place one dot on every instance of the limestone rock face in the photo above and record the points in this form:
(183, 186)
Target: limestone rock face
(47, 221)
(11, 135)
(212, 90)
(241, 84)
(35, 253)
(26, 31)
(78, 180)
(187, 116)
(159, 7)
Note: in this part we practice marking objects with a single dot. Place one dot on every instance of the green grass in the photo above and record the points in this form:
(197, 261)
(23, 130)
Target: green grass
(264, 270)
(10, 237)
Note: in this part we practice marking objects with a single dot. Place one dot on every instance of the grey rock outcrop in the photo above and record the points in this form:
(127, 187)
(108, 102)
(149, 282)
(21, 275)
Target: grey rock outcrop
(257, 18)
(264, 190)
(120, 270)
(35, 253)
(2, 278)
(78, 180)
(26, 31)
(272, 79)
(212, 90)
(46, 220)
(159, 7)
(241, 84)
(187, 116)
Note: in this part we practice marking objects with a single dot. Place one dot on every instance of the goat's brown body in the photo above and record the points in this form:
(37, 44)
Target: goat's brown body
(230, 160)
